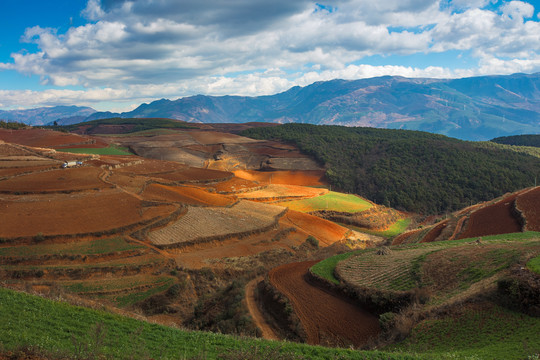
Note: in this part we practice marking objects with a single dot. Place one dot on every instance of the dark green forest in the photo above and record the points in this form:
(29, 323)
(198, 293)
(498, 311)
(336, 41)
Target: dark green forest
(409, 170)
(520, 140)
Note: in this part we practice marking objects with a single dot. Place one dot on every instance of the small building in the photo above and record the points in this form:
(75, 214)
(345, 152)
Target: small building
(72, 163)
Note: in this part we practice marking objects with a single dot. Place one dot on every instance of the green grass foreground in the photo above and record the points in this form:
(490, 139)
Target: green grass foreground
(60, 328)
(110, 150)
(534, 264)
(495, 333)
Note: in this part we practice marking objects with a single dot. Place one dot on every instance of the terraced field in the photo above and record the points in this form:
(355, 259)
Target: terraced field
(203, 224)
(273, 193)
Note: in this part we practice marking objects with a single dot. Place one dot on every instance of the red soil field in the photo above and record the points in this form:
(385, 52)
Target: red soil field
(41, 138)
(171, 171)
(275, 192)
(75, 179)
(327, 319)
(405, 237)
(325, 231)
(63, 214)
(234, 185)
(12, 171)
(435, 232)
(186, 194)
(493, 219)
(529, 204)
(302, 178)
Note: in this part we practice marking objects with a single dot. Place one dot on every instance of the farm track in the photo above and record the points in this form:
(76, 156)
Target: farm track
(327, 319)
(255, 312)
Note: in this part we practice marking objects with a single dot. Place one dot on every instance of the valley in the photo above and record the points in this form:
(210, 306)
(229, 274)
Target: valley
(200, 227)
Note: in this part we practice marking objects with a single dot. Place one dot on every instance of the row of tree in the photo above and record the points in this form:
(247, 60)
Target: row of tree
(409, 170)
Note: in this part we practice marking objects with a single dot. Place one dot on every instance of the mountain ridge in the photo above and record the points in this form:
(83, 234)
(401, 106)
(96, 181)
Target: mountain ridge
(474, 108)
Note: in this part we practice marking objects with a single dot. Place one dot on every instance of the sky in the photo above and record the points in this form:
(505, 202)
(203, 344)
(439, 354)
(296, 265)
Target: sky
(116, 54)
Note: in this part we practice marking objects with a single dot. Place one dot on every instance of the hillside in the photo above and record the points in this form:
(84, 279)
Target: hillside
(408, 170)
(47, 115)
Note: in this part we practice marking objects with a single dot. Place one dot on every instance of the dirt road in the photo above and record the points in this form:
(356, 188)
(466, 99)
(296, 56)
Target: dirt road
(327, 319)
(258, 318)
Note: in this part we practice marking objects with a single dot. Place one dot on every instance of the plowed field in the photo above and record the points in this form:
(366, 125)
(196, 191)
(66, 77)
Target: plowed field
(62, 214)
(187, 195)
(74, 179)
(492, 219)
(529, 204)
(276, 192)
(303, 178)
(327, 320)
(325, 231)
(41, 138)
(200, 224)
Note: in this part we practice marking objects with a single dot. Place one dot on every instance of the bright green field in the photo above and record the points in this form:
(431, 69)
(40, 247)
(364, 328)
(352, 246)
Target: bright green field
(333, 201)
(57, 327)
(110, 150)
(534, 264)
(496, 333)
(395, 229)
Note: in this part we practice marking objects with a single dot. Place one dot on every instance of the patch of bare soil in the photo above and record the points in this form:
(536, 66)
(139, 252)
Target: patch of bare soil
(256, 313)
(529, 205)
(327, 319)
(497, 218)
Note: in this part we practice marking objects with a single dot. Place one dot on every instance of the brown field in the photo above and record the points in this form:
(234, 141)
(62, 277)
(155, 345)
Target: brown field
(327, 319)
(302, 178)
(492, 219)
(233, 186)
(214, 137)
(202, 224)
(435, 232)
(175, 172)
(275, 149)
(405, 237)
(61, 180)
(7, 172)
(65, 214)
(187, 195)
(325, 231)
(282, 192)
(529, 204)
(42, 138)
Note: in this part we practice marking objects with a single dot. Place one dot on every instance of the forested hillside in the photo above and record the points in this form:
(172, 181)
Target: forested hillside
(521, 140)
(409, 170)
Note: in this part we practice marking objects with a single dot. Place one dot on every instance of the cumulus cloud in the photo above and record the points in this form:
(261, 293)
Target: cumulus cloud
(131, 50)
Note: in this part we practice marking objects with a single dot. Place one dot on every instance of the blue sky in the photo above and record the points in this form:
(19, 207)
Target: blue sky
(116, 54)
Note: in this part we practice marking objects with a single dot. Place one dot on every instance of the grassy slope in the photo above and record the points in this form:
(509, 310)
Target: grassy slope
(58, 327)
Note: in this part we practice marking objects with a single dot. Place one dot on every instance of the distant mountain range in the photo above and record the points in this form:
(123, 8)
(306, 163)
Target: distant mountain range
(47, 115)
(477, 108)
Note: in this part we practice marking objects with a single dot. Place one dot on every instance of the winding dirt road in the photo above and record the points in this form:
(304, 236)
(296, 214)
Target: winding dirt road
(327, 319)
(256, 314)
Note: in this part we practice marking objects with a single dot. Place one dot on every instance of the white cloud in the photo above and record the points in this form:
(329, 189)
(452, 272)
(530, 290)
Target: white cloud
(138, 49)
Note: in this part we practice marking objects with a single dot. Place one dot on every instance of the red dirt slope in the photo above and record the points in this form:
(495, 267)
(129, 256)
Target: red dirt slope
(327, 320)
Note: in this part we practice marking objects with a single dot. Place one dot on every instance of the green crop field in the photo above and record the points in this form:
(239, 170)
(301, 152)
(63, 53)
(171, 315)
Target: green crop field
(395, 229)
(110, 150)
(333, 201)
(60, 328)
(495, 333)
(534, 264)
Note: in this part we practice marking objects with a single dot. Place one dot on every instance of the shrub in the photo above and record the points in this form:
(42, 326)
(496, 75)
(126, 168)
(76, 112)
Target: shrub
(39, 237)
(312, 241)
